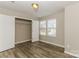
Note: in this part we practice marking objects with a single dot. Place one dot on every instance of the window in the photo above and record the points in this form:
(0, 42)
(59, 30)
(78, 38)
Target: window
(43, 27)
(48, 27)
(51, 27)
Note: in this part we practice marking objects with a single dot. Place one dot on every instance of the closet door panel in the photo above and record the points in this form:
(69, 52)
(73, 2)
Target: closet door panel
(23, 31)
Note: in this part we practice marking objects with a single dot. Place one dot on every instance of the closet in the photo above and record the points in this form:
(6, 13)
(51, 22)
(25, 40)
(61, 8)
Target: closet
(23, 30)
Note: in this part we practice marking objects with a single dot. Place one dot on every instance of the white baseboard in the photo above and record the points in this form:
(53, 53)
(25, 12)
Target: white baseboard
(71, 54)
(53, 43)
(35, 40)
(21, 41)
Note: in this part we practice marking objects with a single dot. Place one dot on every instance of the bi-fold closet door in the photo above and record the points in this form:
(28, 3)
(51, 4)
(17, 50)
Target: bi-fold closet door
(7, 32)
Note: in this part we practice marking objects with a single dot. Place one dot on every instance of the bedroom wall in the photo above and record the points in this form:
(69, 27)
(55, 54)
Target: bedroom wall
(72, 29)
(59, 39)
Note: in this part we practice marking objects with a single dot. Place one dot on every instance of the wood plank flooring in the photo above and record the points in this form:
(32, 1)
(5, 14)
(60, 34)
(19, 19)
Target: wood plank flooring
(35, 50)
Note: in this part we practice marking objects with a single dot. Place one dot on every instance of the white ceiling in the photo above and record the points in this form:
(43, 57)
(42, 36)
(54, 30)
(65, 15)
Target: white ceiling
(45, 7)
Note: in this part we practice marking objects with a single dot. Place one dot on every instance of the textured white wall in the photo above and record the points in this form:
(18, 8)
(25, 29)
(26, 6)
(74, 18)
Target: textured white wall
(72, 29)
(7, 32)
(35, 30)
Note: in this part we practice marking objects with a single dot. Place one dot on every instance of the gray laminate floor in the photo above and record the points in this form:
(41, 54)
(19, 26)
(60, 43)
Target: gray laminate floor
(35, 50)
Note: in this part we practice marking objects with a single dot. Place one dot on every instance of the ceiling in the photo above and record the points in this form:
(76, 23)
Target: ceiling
(45, 7)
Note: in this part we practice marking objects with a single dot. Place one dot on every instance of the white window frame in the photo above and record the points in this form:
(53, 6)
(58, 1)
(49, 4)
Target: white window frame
(42, 28)
(47, 28)
(53, 35)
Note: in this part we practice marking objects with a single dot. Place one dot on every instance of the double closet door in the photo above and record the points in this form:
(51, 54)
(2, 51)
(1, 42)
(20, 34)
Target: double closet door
(22, 31)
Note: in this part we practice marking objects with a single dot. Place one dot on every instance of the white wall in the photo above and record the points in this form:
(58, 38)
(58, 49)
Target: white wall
(7, 32)
(59, 39)
(35, 30)
(72, 29)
